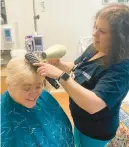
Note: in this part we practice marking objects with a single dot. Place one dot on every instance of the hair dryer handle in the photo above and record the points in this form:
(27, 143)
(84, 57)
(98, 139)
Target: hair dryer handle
(53, 82)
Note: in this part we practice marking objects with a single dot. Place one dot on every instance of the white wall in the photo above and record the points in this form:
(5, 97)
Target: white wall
(20, 12)
(64, 21)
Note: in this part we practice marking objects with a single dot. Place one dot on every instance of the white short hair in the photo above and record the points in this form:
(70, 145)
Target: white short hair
(18, 69)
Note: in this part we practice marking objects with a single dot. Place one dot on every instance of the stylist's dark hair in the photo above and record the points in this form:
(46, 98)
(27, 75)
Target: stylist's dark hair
(118, 18)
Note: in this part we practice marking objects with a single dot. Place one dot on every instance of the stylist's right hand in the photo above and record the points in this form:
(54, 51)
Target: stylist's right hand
(45, 69)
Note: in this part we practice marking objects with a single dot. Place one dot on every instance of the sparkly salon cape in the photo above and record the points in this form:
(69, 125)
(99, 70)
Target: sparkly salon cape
(45, 125)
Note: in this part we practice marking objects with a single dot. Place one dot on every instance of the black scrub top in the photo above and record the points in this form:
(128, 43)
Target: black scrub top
(110, 84)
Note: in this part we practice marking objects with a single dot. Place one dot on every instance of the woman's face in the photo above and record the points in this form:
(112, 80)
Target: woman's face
(102, 38)
(27, 92)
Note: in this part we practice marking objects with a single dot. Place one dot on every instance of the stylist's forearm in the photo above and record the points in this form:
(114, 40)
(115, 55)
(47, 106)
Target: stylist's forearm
(66, 66)
(83, 97)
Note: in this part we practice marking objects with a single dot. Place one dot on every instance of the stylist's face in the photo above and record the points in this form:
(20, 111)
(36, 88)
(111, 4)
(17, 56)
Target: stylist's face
(27, 92)
(102, 35)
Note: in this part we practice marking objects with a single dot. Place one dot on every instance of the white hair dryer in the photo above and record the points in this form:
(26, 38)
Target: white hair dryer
(54, 52)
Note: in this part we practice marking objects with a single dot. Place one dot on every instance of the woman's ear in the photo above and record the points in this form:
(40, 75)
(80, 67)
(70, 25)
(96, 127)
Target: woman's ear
(46, 85)
(11, 90)
(8, 86)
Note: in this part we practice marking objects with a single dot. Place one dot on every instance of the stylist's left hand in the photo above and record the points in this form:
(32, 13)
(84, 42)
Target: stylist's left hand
(48, 70)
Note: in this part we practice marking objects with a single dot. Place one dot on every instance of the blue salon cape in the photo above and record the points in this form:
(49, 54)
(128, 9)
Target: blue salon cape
(45, 125)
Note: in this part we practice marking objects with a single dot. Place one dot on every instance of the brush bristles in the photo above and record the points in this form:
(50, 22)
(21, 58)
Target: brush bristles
(31, 58)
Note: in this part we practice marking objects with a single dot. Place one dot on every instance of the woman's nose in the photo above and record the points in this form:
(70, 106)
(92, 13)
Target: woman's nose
(33, 95)
(95, 33)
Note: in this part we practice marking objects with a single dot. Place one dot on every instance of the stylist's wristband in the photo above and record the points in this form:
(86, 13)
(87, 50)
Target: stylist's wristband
(64, 76)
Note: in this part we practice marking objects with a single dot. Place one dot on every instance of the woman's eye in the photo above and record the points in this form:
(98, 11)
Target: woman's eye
(102, 31)
(38, 87)
(26, 89)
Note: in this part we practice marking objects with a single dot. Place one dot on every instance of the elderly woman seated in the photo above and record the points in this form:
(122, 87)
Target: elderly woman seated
(30, 116)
